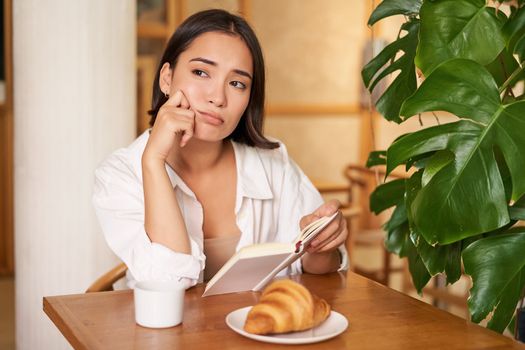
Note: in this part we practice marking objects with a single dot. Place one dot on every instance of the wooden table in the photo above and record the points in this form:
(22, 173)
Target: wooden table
(380, 318)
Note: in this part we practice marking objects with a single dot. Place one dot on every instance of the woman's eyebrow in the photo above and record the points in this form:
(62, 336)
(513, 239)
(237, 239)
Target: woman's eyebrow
(212, 63)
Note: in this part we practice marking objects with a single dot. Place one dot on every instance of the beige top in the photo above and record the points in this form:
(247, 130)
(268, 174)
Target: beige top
(217, 251)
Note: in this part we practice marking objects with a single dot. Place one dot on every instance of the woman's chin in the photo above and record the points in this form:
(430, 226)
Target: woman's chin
(207, 137)
(207, 134)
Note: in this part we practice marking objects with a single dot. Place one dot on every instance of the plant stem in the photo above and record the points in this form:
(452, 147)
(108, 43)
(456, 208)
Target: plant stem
(511, 78)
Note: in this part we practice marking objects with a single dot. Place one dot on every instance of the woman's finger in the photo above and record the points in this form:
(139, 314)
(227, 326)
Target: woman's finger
(331, 245)
(187, 132)
(306, 220)
(175, 99)
(327, 231)
(339, 234)
(328, 208)
(177, 112)
(323, 243)
(184, 103)
(334, 241)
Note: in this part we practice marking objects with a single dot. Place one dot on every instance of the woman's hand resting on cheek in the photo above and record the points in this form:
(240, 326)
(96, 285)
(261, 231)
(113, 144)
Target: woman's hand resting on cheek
(163, 219)
(333, 235)
(175, 122)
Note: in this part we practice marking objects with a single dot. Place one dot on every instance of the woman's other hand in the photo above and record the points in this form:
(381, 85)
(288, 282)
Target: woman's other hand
(175, 123)
(332, 235)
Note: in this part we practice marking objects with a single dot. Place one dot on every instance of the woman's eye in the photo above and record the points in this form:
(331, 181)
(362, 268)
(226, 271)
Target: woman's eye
(199, 73)
(238, 85)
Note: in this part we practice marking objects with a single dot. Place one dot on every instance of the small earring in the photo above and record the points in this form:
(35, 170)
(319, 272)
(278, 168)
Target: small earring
(166, 95)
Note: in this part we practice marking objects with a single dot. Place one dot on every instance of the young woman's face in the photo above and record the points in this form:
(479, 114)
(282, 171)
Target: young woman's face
(215, 74)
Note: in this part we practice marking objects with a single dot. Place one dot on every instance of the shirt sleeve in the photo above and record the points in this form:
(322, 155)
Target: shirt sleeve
(298, 198)
(119, 204)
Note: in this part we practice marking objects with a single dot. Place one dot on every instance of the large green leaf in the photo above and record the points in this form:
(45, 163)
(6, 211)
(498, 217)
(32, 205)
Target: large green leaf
(387, 195)
(412, 188)
(517, 210)
(497, 267)
(398, 218)
(472, 183)
(389, 8)
(405, 83)
(437, 162)
(502, 68)
(395, 240)
(434, 138)
(504, 172)
(416, 267)
(514, 32)
(435, 258)
(471, 92)
(376, 158)
(458, 29)
(439, 258)
(398, 225)
(453, 263)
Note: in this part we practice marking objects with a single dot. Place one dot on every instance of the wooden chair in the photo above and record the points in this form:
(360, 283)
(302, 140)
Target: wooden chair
(365, 230)
(105, 282)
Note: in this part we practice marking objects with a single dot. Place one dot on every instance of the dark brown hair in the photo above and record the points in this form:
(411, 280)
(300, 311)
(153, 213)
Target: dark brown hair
(249, 129)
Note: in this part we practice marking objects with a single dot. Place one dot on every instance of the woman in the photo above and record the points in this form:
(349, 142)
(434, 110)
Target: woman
(204, 181)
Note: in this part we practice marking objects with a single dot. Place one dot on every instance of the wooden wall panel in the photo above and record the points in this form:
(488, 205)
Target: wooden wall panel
(6, 156)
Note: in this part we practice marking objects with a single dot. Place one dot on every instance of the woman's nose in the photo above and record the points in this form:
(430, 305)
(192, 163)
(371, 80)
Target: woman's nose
(217, 95)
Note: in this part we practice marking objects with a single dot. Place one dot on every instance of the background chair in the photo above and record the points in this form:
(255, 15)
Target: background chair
(105, 282)
(366, 228)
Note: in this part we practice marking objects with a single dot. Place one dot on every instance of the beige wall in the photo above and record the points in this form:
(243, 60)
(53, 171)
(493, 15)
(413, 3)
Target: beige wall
(312, 49)
(321, 145)
(193, 6)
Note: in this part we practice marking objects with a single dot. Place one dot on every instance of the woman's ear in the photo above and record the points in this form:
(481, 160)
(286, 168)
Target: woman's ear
(165, 78)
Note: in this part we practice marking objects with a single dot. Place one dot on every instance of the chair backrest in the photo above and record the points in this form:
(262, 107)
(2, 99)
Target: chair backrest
(105, 282)
(362, 182)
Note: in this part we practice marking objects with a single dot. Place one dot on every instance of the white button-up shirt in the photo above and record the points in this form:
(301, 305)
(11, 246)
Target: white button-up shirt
(273, 194)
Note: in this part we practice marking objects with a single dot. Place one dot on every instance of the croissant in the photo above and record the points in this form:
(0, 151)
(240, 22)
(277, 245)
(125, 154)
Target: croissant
(286, 306)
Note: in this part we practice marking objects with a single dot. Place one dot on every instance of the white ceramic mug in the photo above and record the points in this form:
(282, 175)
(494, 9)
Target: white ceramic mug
(158, 304)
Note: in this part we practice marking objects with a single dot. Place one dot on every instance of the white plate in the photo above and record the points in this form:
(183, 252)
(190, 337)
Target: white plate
(334, 325)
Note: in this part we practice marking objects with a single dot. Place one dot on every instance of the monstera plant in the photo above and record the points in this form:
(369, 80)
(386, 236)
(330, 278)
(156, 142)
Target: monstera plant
(465, 197)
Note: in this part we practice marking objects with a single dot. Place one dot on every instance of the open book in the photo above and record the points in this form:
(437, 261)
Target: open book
(252, 267)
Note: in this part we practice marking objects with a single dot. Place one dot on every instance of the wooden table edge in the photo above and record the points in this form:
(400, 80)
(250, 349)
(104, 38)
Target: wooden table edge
(50, 307)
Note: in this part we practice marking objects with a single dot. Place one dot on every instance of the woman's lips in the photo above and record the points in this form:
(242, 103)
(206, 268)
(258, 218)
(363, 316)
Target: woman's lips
(211, 118)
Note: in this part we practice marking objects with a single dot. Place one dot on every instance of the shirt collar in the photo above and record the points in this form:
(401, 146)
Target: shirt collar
(252, 180)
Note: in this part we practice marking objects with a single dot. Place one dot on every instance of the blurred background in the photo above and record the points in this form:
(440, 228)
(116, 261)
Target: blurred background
(76, 80)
